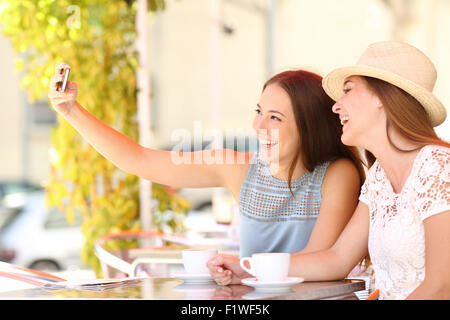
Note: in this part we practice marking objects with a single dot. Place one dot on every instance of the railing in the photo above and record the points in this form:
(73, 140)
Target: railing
(128, 268)
(107, 259)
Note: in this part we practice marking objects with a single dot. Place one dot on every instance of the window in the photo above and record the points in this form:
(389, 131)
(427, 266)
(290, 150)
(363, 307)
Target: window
(42, 114)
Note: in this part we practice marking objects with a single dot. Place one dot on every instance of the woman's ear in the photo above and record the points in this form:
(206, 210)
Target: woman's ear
(379, 104)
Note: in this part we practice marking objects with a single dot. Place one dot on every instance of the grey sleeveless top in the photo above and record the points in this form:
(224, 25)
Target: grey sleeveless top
(271, 219)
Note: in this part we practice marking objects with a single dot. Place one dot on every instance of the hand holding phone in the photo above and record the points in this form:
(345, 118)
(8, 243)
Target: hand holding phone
(63, 93)
(63, 85)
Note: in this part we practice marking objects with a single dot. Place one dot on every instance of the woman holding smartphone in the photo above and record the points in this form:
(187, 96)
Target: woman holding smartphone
(296, 194)
(387, 107)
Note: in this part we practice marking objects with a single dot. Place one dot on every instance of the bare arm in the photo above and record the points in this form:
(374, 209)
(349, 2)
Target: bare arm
(170, 168)
(336, 262)
(436, 284)
(340, 190)
(177, 169)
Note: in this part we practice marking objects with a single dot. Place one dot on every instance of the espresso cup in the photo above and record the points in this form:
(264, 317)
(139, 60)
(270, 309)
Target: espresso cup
(268, 266)
(195, 260)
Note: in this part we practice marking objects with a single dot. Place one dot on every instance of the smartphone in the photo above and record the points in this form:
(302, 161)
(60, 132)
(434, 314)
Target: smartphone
(63, 84)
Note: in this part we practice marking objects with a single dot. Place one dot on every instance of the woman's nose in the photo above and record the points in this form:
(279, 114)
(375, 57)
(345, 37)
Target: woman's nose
(262, 128)
(336, 107)
(260, 124)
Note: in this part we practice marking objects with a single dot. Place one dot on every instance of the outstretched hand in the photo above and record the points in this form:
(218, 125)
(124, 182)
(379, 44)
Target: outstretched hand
(62, 102)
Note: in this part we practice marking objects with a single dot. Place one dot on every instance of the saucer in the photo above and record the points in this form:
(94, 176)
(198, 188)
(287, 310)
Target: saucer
(194, 278)
(272, 286)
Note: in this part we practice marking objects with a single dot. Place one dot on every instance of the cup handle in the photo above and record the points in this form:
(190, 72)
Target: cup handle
(241, 262)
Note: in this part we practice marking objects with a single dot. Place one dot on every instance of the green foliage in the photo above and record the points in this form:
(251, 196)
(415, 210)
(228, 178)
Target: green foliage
(96, 38)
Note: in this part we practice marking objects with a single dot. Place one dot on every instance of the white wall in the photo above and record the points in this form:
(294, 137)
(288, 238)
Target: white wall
(181, 63)
(11, 115)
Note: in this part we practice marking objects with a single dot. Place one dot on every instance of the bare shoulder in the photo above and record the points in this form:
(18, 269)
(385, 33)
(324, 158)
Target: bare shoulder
(233, 157)
(342, 167)
(342, 172)
(236, 163)
(234, 168)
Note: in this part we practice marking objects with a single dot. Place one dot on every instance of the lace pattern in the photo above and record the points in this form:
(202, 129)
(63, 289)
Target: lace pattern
(396, 234)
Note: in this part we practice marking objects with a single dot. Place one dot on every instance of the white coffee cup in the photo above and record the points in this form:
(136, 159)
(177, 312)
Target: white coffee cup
(195, 260)
(268, 266)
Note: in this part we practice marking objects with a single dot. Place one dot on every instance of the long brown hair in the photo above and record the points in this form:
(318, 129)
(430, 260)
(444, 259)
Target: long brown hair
(405, 114)
(319, 128)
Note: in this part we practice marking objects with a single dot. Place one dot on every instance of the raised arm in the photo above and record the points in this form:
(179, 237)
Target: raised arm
(155, 165)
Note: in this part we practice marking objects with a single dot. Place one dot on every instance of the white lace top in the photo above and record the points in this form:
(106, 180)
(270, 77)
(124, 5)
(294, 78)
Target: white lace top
(396, 233)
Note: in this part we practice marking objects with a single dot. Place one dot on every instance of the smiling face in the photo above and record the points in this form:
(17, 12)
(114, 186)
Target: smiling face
(275, 126)
(360, 112)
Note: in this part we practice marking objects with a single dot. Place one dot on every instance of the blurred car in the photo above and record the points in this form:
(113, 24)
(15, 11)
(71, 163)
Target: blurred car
(41, 239)
(13, 193)
(9, 187)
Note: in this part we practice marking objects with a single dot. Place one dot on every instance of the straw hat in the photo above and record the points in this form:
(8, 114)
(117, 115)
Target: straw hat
(399, 64)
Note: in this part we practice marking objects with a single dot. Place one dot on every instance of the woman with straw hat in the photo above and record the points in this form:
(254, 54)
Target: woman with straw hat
(386, 106)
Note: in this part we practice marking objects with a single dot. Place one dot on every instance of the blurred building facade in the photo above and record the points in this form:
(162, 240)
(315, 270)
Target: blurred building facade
(257, 39)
